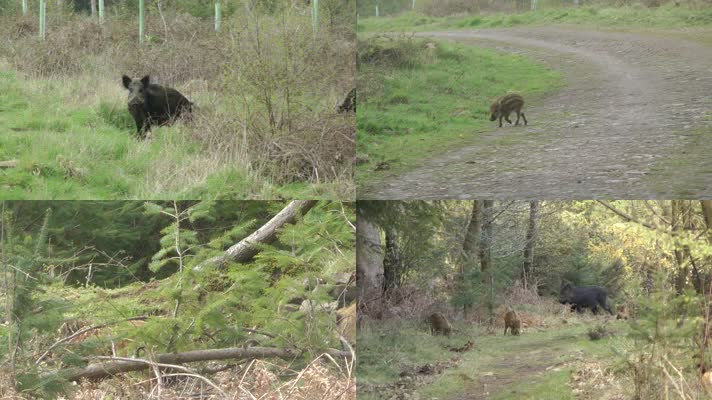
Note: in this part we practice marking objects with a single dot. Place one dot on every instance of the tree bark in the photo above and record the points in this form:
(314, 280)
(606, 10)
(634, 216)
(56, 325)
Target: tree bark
(392, 263)
(707, 214)
(677, 219)
(93, 8)
(532, 229)
(486, 236)
(245, 249)
(107, 369)
(369, 259)
(470, 247)
(470, 250)
(486, 256)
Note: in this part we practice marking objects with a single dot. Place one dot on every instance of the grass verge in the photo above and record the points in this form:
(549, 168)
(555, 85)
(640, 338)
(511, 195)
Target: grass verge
(420, 98)
(666, 16)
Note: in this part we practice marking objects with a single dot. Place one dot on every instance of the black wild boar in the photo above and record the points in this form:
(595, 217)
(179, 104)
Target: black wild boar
(503, 106)
(153, 104)
(585, 297)
(439, 324)
(349, 104)
(511, 322)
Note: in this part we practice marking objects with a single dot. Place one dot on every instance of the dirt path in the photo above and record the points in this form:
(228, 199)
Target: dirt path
(632, 102)
(524, 362)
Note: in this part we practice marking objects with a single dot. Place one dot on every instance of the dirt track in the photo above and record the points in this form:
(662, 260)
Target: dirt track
(633, 100)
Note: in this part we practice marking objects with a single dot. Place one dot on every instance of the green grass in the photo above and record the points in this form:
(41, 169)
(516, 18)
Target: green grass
(75, 140)
(548, 355)
(623, 17)
(407, 115)
(682, 171)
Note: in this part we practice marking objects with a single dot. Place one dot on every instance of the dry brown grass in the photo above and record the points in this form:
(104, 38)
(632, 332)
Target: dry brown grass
(324, 378)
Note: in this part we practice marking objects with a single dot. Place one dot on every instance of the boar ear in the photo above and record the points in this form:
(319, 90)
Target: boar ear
(145, 80)
(126, 80)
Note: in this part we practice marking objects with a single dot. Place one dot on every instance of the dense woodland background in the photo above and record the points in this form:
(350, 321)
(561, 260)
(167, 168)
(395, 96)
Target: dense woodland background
(91, 282)
(472, 260)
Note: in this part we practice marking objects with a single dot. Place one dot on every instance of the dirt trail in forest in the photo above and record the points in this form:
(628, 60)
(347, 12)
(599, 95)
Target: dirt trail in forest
(633, 100)
(524, 362)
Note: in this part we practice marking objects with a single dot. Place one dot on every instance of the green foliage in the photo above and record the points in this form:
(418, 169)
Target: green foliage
(244, 296)
(188, 309)
(665, 330)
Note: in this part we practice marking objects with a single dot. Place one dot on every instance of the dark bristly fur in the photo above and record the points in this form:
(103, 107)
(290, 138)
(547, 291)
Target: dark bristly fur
(152, 104)
(505, 105)
(349, 104)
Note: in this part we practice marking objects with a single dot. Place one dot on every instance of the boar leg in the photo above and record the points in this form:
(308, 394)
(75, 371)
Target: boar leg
(517, 123)
(525, 119)
(500, 120)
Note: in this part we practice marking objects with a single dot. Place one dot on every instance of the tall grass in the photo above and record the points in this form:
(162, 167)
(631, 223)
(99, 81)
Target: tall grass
(266, 90)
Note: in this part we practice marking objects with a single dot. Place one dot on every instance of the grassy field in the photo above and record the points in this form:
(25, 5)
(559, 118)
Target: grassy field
(432, 99)
(71, 143)
(619, 17)
(265, 124)
(535, 365)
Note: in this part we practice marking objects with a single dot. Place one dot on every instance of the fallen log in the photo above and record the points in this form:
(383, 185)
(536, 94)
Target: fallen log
(245, 249)
(8, 164)
(103, 370)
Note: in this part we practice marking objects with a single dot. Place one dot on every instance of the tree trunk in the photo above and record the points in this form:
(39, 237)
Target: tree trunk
(707, 214)
(93, 8)
(677, 220)
(392, 263)
(245, 249)
(485, 255)
(486, 236)
(470, 250)
(369, 260)
(527, 268)
(107, 369)
(470, 247)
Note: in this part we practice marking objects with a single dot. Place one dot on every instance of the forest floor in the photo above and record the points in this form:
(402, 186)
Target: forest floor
(553, 362)
(633, 122)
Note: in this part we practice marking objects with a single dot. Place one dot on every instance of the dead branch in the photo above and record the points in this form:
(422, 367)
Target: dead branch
(90, 328)
(245, 249)
(624, 215)
(121, 365)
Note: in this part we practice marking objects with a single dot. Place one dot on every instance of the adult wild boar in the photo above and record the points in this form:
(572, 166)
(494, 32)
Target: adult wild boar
(439, 325)
(511, 322)
(585, 297)
(503, 106)
(153, 104)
